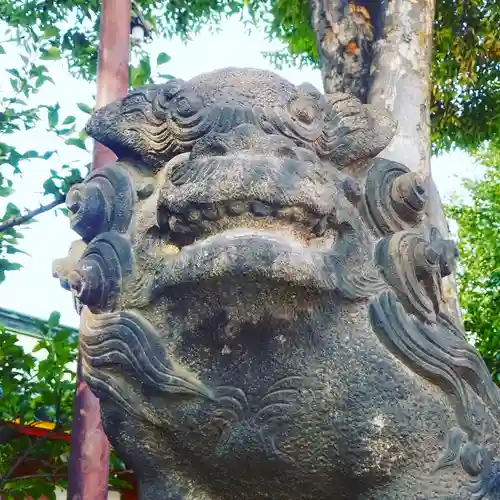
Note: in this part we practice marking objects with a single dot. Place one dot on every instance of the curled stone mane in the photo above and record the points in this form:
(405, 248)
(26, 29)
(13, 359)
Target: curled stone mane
(262, 302)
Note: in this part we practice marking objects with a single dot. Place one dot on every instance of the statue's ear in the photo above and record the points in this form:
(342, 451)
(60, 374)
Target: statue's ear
(354, 131)
(311, 90)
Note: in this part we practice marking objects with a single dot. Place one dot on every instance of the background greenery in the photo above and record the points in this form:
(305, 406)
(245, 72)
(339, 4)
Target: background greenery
(479, 273)
(39, 386)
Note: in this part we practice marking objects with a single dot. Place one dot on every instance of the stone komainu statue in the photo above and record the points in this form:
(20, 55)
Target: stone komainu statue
(262, 304)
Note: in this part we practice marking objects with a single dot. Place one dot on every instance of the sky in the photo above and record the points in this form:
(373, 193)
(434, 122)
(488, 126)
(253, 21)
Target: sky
(32, 290)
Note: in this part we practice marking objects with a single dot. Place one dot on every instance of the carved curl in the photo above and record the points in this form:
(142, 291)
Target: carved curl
(98, 278)
(158, 122)
(103, 202)
(440, 352)
(411, 266)
(127, 339)
(437, 351)
(394, 197)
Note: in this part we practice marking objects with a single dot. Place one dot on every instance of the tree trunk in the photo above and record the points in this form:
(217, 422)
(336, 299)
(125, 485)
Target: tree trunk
(400, 54)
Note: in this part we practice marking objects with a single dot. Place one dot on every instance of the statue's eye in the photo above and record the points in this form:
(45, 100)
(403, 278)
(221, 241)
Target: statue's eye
(172, 88)
(305, 112)
(187, 107)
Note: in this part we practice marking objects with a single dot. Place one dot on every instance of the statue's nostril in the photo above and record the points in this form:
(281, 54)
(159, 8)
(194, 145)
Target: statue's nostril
(287, 152)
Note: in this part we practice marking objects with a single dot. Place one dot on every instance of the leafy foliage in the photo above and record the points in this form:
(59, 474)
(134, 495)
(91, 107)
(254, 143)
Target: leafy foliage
(479, 275)
(466, 74)
(19, 114)
(33, 389)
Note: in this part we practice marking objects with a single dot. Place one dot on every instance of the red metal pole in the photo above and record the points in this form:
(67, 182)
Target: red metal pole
(89, 457)
(112, 71)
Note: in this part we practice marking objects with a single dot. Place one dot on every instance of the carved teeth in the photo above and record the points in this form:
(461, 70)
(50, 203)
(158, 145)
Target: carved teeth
(296, 214)
(299, 215)
(210, 213)
(193, 216)
(285, 213)
(261, 209)
(320, 228)
(203, 218)
(237, 207)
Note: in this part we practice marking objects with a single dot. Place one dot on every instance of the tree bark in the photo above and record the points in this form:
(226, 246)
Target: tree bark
(401, 56)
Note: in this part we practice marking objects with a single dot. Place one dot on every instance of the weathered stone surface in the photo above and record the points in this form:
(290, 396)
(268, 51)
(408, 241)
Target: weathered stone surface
(262, 302)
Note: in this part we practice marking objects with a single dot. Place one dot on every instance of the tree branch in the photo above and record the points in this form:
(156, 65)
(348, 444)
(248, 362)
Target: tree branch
(21, 219)
(46, 475)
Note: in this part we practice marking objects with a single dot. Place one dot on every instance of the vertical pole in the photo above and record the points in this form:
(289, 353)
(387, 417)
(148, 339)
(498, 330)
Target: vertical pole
(112, 70)
(89, 456)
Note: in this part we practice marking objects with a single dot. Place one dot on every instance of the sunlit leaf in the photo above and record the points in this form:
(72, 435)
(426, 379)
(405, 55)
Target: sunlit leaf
(51, 54)
(76, 142)
(85, 108)
(69, 120)
(162, 58)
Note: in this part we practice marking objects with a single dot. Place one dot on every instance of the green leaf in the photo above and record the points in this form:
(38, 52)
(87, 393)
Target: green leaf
(14, 72)
(64, 131)
(11, 266)
(69, 120)
(162, 58)
(38, 347)
(5, 191)
(49, 187)
(2, 50)
(48, 154)
(53, 116)
(51, 54)
(31, 154)
(62, 336)
(15, 84)
(54, 319)
(76, 142)
(85, 108)
(145, 65)
(50, 32)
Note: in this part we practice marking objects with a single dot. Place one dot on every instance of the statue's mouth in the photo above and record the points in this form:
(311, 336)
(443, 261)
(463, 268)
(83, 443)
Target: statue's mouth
(237, 216)
(256, 241)
(290, 196)
(249, 248)
(199, 221)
